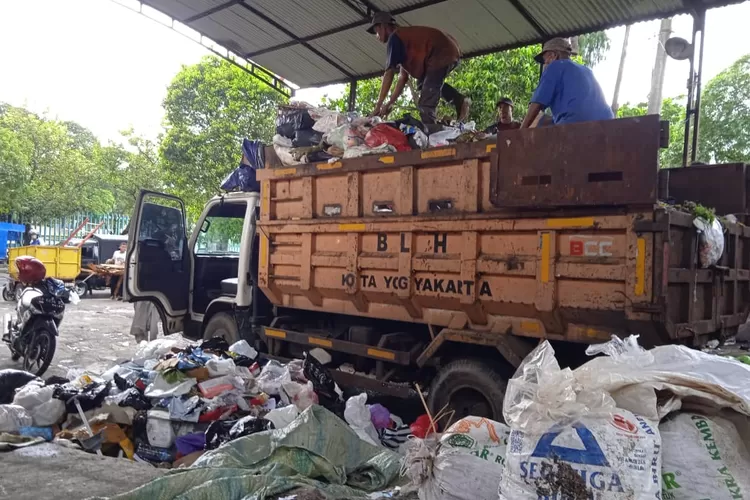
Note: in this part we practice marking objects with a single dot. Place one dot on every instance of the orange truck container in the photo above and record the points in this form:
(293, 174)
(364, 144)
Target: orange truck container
(476, 251)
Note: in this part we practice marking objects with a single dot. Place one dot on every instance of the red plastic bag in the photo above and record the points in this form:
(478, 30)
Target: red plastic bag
(385, 134)
(421, 427)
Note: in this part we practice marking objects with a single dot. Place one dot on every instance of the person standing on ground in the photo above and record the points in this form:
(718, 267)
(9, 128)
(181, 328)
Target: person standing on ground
(118, 259)
(426, 54)
(504, 117)
(146, 320)
(569, 89)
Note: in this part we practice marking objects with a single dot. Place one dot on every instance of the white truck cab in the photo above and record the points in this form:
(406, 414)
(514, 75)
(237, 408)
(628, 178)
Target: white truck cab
(202, 284)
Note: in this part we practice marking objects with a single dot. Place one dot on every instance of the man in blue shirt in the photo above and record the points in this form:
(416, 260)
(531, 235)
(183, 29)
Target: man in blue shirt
(569, 89)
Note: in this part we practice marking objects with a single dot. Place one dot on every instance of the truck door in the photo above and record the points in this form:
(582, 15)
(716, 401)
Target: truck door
(159, 264)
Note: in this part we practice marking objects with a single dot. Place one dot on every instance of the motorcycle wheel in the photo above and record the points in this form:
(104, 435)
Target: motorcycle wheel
(7, 294)
(39, 352)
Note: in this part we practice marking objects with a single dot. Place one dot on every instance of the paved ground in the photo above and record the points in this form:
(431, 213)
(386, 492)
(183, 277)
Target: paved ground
(94, 335)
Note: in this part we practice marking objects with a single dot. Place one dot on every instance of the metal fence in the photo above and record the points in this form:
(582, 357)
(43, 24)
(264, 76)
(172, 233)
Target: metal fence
(57, 230)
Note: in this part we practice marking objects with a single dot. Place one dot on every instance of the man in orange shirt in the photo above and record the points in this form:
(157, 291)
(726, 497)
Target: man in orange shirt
(427, 55)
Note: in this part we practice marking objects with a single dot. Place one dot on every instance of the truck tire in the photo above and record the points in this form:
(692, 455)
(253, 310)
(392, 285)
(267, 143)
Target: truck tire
(468, 387)
(222, 325)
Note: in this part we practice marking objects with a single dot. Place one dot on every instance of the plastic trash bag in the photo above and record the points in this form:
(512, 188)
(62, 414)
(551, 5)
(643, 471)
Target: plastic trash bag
(249, 425)
(133, 398)
(306, 138)
(222, 431)
(710, 241)
(38, 401)
(289, 120)
(270, 378)
(13, 417)
(89, 397)
(329, 394)
(282, 417)
(357, 415)
(10, 380)
(568, 440)
(243, 348)
(385, 134)
(157, 348)
(703, 457)
(465, 464)
(380, 416)
(159, 429)
(327, 120)
(220, 367)
(161, 388)
(190, 443)
(243, 179)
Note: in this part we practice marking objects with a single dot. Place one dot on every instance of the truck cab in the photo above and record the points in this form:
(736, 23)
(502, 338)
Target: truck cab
(201, 281)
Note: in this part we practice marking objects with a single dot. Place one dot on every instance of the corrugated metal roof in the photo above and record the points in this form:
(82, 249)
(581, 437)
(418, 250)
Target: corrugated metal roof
(318, 42)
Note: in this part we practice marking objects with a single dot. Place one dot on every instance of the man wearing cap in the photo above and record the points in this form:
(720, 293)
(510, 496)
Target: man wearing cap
(569, 89)
(427, 55)
(504, 117)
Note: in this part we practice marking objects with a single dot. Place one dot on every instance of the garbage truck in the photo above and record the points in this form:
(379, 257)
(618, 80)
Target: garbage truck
(446, 266)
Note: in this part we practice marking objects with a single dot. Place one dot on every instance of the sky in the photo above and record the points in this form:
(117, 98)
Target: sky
(106, 67)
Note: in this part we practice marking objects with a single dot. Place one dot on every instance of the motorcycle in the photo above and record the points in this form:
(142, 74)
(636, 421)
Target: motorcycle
(32, 335)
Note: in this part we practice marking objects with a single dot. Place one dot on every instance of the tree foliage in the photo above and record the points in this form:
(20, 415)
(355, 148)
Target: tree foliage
(50, 168)
(210, 107)
(725, 115)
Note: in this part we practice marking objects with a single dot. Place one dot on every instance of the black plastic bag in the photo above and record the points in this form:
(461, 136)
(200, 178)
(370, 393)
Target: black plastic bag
(121, 383)
(90, 397)
(55, 380)
(408, 119)
(306, 138)
(324, 385)
(218, 433)
(222, 431)
(10, 380)
(240, 360)
(249, 425)
(318, 156)
(216, 344)
(133, 398)
(243, 177)
(290, 120)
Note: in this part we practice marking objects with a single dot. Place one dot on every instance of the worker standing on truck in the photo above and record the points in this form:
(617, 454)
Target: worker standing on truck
(569, 89)
(504, 117)
(427, 55)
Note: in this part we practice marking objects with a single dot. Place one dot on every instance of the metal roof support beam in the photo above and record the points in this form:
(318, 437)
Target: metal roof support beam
(210, 11)
(529, 18)
(258, 72)
(352, 96)
(333, 31)
(296, 39)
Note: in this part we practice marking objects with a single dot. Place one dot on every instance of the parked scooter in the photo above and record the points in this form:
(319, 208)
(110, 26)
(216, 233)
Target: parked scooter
(32, 334)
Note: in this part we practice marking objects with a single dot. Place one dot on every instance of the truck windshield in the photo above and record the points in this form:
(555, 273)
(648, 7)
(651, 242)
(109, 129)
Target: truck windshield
(220, 236)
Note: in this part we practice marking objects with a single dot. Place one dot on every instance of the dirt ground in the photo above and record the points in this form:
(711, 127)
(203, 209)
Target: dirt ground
(93, 335)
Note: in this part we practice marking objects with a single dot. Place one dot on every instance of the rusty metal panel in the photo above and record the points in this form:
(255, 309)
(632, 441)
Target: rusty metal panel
(722, 187)
(606, 163)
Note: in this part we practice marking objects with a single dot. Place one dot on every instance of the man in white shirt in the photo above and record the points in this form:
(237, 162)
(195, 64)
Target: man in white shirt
(119, 256)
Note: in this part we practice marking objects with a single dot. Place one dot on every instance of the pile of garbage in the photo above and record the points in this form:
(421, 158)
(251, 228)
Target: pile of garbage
(306, 134)
(670, 423)
(179, 403)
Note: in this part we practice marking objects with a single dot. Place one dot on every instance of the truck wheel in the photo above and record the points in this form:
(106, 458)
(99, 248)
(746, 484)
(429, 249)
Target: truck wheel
(470, 387)
(222, 325)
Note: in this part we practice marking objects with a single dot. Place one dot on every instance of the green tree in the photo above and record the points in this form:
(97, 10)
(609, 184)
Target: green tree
(592, 47)
(50, 173)
(673, 111)
(725, 115)
(130, 168)
(210, 107)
